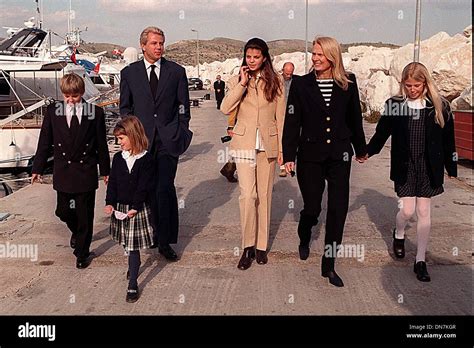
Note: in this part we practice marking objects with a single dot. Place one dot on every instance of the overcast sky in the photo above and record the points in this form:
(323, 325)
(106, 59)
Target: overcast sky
(121, 21)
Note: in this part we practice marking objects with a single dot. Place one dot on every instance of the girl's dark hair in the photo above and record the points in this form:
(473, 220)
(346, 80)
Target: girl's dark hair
(133, 129)
(272, 83)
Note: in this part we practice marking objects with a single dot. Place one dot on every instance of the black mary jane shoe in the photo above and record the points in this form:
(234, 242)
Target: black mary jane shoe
(421, 271)
(398, 246)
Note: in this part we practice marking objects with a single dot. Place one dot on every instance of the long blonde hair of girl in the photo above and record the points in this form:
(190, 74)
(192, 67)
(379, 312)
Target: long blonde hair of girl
(418, 72)
(133, 129)
(332, 51)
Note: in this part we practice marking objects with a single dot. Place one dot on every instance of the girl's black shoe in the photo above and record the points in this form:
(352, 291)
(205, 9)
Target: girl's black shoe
(421, 272)
(398, 246)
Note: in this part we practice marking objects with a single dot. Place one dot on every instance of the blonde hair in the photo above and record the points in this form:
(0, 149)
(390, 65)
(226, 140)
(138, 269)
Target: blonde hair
(147, 30)
(72, 84)
(133, 129)
(332, 51)
(418, 72)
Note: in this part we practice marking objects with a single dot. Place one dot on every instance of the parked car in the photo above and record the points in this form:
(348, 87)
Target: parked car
(194, 83)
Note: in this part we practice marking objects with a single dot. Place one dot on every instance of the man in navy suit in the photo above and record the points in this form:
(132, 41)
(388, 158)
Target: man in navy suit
(156, 91)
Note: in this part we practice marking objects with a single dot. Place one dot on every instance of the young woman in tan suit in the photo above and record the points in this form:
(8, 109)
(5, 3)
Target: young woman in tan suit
(256, 144)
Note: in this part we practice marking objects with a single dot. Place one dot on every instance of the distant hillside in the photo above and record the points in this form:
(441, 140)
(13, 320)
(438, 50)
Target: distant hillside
(220, 49)
(96, 47)
(217, 49)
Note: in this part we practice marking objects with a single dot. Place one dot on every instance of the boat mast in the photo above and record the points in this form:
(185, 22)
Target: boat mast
(39, 10)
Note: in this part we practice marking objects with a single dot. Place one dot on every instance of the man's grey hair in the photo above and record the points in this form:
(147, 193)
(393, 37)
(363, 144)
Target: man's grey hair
(147, 30)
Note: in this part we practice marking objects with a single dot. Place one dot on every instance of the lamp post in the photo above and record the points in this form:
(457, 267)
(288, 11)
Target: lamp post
(306, 40)
(197, 48)
(416, 54)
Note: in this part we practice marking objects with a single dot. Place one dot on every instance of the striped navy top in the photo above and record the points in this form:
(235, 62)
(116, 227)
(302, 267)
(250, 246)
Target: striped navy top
(325, 85)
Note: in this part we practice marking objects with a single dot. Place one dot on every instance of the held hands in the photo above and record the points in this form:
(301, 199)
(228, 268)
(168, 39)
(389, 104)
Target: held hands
(244, 75)
(36, 178)
(362, 159)
(106, 179)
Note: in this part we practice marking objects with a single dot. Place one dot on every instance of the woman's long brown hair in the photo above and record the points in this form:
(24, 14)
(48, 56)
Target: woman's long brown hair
(272, 87)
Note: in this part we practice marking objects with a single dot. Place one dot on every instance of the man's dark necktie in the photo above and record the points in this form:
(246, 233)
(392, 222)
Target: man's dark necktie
(153, 80)
(74, 126)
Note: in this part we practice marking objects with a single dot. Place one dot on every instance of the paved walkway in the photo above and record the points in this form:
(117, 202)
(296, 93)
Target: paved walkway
(206, 279)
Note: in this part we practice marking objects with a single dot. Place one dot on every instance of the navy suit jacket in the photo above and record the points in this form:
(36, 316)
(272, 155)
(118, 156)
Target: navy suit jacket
(75, 163)
(167, 114)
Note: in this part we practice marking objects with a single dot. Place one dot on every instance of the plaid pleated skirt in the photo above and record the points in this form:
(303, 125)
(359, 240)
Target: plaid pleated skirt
(132, 233)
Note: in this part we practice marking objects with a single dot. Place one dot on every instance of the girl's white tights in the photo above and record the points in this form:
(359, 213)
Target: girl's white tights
(422, 207)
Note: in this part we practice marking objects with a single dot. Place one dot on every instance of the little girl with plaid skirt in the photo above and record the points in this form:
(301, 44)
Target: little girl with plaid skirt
(127, 199)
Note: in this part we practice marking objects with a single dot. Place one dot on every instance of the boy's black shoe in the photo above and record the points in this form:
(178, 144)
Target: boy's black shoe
(132, 295)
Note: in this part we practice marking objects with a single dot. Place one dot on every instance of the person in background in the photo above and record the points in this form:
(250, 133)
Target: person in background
(421, 125)
(219, 89)
(287, 73)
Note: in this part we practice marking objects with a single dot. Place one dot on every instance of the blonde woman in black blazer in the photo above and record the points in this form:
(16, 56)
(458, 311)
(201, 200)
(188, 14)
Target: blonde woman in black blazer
(322, 123)
(421, 125)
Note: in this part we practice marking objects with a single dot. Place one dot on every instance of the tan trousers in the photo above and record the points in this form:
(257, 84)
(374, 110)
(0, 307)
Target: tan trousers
(255, 201)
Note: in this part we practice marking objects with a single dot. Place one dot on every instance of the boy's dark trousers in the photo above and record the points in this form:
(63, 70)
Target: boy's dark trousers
(77, 211)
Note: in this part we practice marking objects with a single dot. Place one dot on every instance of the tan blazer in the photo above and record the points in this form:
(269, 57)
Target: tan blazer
(255, 112)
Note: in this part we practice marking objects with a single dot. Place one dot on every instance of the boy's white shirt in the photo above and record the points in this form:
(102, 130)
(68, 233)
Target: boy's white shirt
(130, 159)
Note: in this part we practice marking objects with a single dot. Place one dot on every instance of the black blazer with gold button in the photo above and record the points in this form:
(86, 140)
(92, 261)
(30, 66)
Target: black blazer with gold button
(315, 132)
(75, 163)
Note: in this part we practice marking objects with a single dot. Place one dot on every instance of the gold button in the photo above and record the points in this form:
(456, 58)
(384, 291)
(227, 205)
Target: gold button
(328, 118)
(328, 130)
(328, 141)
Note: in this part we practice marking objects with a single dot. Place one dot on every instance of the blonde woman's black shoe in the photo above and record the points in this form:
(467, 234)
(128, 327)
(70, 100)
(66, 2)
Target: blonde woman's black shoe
(334, 279)
(303, 250)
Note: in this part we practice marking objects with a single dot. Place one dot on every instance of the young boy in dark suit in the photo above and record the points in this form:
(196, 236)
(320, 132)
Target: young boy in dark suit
(76, 131)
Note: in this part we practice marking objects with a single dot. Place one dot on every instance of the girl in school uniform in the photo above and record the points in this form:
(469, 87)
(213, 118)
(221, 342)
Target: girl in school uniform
(127, 199)
(422, 129)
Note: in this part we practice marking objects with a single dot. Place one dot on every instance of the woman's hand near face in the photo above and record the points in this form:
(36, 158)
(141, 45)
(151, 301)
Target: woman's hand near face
(244, 75)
